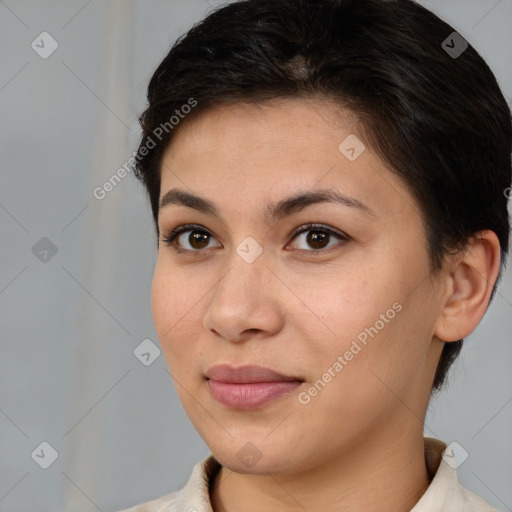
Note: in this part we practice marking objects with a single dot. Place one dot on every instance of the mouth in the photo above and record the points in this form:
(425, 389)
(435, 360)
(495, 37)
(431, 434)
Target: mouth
(247, 375)
(249, 387)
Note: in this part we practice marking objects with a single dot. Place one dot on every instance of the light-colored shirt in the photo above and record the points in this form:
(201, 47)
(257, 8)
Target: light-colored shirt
(444, 494)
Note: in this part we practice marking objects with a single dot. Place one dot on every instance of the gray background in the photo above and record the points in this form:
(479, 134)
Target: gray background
(69, 325)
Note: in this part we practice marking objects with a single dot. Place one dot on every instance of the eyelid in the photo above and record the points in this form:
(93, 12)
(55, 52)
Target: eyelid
(170, 238)
(304, 228)
(174, 234)
(320, 227)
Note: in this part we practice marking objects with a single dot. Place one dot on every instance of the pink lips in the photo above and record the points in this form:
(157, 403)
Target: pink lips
(248, 387)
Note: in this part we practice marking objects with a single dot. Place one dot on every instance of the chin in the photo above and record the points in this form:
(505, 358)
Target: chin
(249, 459)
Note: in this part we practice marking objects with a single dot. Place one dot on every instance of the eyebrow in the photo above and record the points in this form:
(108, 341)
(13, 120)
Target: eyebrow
(273, 212)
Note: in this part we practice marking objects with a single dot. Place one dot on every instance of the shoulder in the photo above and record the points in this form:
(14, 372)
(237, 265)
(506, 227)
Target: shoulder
(473, 502)
(445, 491)
(165, 503)
(194, 496)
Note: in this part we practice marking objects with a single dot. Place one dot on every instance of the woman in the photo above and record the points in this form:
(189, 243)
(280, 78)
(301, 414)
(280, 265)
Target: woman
(328, 180)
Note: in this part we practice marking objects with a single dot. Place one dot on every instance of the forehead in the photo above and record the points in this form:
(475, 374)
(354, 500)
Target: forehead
(254, 151)
(286, 122)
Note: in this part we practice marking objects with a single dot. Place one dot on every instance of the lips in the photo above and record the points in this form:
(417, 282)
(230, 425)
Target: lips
(247, 374)
(249, 387)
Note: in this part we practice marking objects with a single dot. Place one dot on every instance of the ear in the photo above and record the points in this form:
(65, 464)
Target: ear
(471, 275)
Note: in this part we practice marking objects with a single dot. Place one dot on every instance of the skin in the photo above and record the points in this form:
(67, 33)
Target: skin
(357, 444)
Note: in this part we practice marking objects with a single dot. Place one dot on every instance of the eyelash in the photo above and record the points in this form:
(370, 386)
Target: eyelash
(171, 238)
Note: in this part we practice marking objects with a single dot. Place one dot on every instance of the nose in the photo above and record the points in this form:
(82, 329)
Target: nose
(245, 303)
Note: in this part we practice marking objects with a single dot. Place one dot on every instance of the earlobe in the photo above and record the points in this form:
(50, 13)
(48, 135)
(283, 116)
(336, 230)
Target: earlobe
(472, 276)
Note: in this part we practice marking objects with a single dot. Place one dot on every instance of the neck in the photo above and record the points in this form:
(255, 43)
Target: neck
(384, 473)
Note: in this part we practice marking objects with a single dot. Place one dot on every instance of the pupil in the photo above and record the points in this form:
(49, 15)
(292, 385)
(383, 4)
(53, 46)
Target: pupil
(316, 239)
(199, 238)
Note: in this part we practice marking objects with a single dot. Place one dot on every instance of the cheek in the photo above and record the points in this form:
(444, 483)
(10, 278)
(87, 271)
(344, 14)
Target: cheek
(175, 306)
(342, 304)
(364, 316)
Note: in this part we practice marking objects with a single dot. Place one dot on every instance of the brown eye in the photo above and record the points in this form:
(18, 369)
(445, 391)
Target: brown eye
(198, 239)
(189, 238)
(318, 238)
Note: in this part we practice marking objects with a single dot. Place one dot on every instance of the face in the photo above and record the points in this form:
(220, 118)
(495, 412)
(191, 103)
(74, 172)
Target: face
(306, 256)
